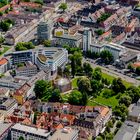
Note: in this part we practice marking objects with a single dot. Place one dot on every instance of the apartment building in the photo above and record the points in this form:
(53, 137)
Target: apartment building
(8, 105)
(71, 40)
(3, 65)
(28, 132)
(25, 91)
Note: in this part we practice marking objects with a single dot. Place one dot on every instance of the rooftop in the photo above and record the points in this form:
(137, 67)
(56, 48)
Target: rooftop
(66, 133)
(3, 61)
(4, 127)
(31, 129)
(127, 131)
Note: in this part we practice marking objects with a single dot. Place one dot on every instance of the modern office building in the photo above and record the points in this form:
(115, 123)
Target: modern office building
(21, 57)
(86, 39)
(44, 31)
(44, 58)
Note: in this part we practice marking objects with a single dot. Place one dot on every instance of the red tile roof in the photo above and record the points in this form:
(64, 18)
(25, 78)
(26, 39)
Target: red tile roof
(3, 61)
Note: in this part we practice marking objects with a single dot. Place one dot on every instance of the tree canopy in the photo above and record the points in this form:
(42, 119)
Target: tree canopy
(55, 96)
(41, 88)
(63, 6)
(106, 56)
(83, 84)
(75, 98)
(47, 43)
(118, 86)
(24, 46)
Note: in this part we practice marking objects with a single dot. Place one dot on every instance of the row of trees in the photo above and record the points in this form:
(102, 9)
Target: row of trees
(106, 56)
(24, 46)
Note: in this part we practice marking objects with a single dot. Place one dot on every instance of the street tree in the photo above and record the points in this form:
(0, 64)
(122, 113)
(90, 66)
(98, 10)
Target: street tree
(106, 56)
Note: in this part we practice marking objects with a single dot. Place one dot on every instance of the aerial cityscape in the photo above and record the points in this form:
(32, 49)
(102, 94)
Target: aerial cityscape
(69, 69)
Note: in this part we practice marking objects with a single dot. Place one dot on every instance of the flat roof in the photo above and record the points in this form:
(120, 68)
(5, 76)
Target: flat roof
(127, 131)
(4, 127)
(63, 135)
(31, 129)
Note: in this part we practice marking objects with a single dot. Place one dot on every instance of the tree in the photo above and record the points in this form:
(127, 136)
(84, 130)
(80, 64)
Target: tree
(73, 66)
(21, 138)
(24, 46)
(96, 86)
(134, 93)
(4, 26)
(121, 111)
(106, 56)
(63, 6)
(97, 74)
(125, 100)
(87, 69)
(39, 2)
(55, 96)
(35, 118)
(99, 138)
(1, 40)
(130, 67)
(1, 13)
(119, 124)
(20, 64)
(99, 32)
(47, 43)
(66, 71)
(41, 88)
(83, 84)
(84, 98)
(110, 124)
(109, 136)
(118, 86)
(138, 70)
(76, 59)
(75, 98)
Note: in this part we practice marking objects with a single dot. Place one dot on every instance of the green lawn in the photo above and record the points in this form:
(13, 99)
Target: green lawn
(110, 78)
(5, 50)
(74, 82)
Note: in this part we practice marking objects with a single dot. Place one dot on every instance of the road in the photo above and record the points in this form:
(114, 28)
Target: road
(114, 73)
